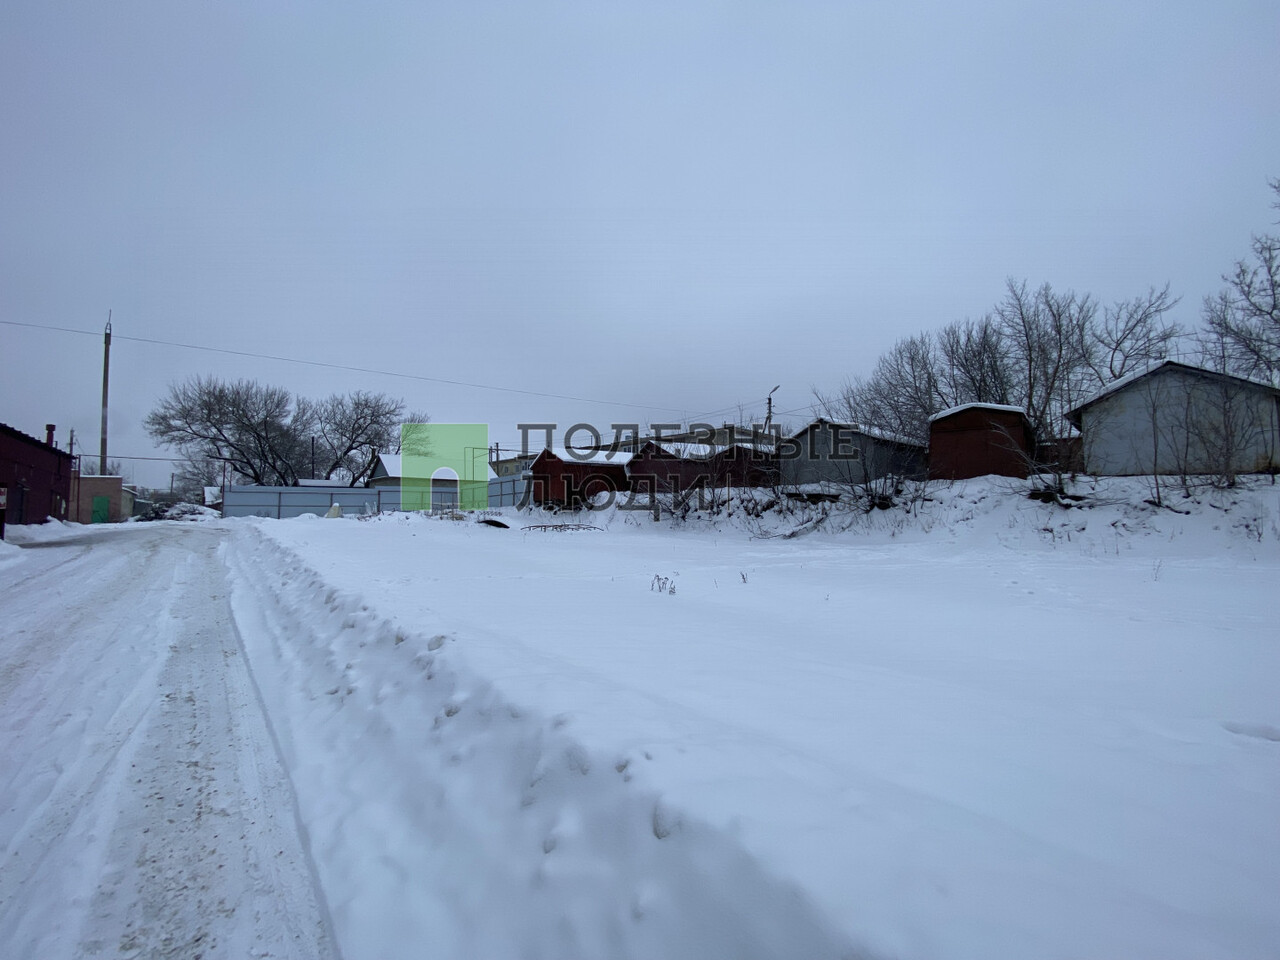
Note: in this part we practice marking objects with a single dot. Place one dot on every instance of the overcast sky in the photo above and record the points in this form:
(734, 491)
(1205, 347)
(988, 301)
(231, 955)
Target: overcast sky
(663, 209)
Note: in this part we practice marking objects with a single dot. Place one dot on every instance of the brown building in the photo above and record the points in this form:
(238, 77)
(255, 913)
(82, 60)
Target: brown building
(102, 500)
(569, 482)
(658, 469)
(35, 475)
(977, 439)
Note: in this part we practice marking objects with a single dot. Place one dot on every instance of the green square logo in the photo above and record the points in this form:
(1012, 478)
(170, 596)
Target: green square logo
(444, 464)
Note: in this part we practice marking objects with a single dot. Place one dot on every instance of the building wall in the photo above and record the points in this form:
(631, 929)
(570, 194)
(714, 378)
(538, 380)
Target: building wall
(510, 466)
(820, 455)
(572, 483)
(978, 441)
(1175, 422)
(38, 478)
(656, 470)
(119, 499)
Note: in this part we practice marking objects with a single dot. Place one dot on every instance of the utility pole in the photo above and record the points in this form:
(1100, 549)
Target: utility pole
(106, 370)
(768, 417)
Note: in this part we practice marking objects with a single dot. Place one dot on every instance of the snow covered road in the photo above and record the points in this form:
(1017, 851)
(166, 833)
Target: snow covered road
(989, 728)
(145, 810)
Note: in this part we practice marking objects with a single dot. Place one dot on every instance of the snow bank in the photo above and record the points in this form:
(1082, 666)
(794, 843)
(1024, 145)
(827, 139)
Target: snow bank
(41, 532)
(191, 511)
(1108, 515)
(974, 725)
(441, 813)
(9, 553)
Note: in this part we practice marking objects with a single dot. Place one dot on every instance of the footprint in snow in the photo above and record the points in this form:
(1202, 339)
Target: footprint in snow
(1259, 731)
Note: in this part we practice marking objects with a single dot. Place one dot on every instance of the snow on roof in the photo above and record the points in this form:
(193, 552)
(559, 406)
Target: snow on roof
(582, 455)
(393, 465)
(1150, 368)
(867, 431)
(689, 451)
(1007, 408)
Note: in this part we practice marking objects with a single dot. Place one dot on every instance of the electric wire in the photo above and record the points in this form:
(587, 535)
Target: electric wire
(368, 370)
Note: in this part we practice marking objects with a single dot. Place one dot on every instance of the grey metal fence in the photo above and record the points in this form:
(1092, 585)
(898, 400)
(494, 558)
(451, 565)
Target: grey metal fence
(284, 502)
(281, 503)
(507, 491)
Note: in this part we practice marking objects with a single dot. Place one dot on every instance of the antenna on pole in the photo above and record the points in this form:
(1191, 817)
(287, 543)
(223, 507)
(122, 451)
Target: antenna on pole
(106, 371)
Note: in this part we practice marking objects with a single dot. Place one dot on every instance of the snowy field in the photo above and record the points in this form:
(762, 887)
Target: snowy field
(988, 727)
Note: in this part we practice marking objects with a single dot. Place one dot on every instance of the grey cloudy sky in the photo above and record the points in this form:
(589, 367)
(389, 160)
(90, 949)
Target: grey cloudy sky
(672, 206)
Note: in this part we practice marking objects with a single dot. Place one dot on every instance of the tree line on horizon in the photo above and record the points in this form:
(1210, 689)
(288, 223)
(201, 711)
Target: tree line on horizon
(1047, 351)
(1040, 349)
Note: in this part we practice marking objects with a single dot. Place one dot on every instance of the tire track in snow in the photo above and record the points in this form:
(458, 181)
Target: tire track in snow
(161, 823)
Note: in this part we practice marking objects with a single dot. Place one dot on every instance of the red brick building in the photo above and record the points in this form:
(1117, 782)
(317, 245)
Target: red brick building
(37, 477)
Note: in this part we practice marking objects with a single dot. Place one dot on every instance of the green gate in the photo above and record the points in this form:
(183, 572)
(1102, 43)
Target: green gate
(101, 509)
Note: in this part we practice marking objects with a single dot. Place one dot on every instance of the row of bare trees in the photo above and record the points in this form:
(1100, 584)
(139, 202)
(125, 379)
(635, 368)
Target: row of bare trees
(1041, 350)
(266, 435)
(1046, 350)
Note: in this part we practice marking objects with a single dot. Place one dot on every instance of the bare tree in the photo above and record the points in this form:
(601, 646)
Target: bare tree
(354, 429)
(1049, 336)
(973, 363)
(413, 439)
(264, 434)
(193, 475)
(1246, 315)
(899, 396)
(1133, 333)
(89, 468)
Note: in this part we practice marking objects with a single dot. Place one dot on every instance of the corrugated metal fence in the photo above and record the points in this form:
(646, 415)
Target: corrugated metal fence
(282, 503)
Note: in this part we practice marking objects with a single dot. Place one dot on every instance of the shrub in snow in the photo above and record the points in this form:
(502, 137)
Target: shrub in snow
(187, 511)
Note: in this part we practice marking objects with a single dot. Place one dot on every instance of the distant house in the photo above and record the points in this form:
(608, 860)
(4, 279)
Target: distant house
(976, 439)
(1176, 418)
(387, 471)
(506, 489)
(35, 476)
(512, 466)
(828, 452)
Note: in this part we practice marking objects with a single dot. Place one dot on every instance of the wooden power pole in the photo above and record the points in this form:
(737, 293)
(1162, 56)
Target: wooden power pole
(106, 370)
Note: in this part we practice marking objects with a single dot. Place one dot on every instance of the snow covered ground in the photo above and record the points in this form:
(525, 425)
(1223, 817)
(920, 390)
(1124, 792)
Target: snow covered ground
(989, 727)
(145, 811)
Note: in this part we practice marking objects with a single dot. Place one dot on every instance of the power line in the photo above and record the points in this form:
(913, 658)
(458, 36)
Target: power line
(116, 456)
(342, 366)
